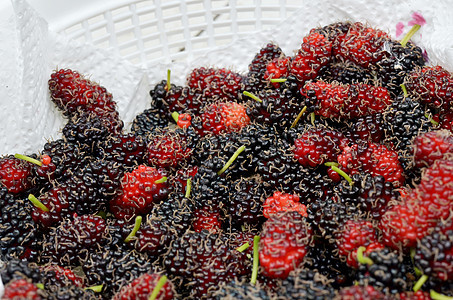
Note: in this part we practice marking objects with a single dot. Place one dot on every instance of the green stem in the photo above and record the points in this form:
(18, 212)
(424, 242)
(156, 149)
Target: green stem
(252, 96)
(37, 203)
(243, 247)
(408, 36)
(158, 287)
(175, 116)
(403, 87)
(363, 259)
(331, 164)
(342, 173)
(419, 283)
(278, 80)
(40, 286)
(437, 296)
(168, 80)
(312, 118)
(29, 159)
(431, 120)
(162, 180)
(256, 257)
(188, 188)
(138, 222)
(231, 160)
(95, 288)
(298, 117)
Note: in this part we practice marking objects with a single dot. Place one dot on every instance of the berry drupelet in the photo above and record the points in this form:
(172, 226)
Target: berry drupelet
(146, 121)
(285, 240)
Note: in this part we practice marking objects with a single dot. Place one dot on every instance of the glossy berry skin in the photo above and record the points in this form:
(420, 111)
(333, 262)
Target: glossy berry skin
(55, 200)
(284, 242)
(375, 159)
(429, 202)
(419, 295)
(433, 85)
(403, 121)
(152, 237)
(69, 243)
(215, 83)
(73, 93)
(21, 289)
(403, 224)
(277, 68)
(431, 146)
(207, 218)
(126, 149)
(433, 254)
(359, 292)
(280, 202)
(361, 45)
(139, 192)
(62, 275)
(317, 146)
(276, 108)
(15, 174)
(340, 101)
(314, 53)
(354, 234)
(20, 236)
(167, 148)
(254, 80)
(223, 117)
(435, 190)
(142, 287)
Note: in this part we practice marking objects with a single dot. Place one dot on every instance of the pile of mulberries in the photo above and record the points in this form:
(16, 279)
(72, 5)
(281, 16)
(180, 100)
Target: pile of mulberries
(323, 174)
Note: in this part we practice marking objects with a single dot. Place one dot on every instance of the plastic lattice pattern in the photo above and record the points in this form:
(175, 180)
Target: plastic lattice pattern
(156, 31)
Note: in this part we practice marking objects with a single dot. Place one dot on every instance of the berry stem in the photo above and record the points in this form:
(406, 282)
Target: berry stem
(331, 163)
(278, 80)
(231, 160)
(339, 171)
(408, 36)
(168, 80)
(412, 255)
(437, 296)
(175, 116)
(29, 159)
(256, 262)
(363, 259)
(162, 180)
(37, 203)
(403, 87)
(158, 287)
(419, 283)
(243, 247)
(298, 117)
(40, 286)
(431, 120)
(95, 288)
(138, 222)
(188, 188)
(252, 96)
(312, 118)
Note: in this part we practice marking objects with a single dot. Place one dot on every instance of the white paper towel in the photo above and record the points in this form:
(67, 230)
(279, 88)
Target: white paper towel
(28, 118)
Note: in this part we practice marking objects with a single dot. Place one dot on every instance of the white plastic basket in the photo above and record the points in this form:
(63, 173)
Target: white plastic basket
(149, 31)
